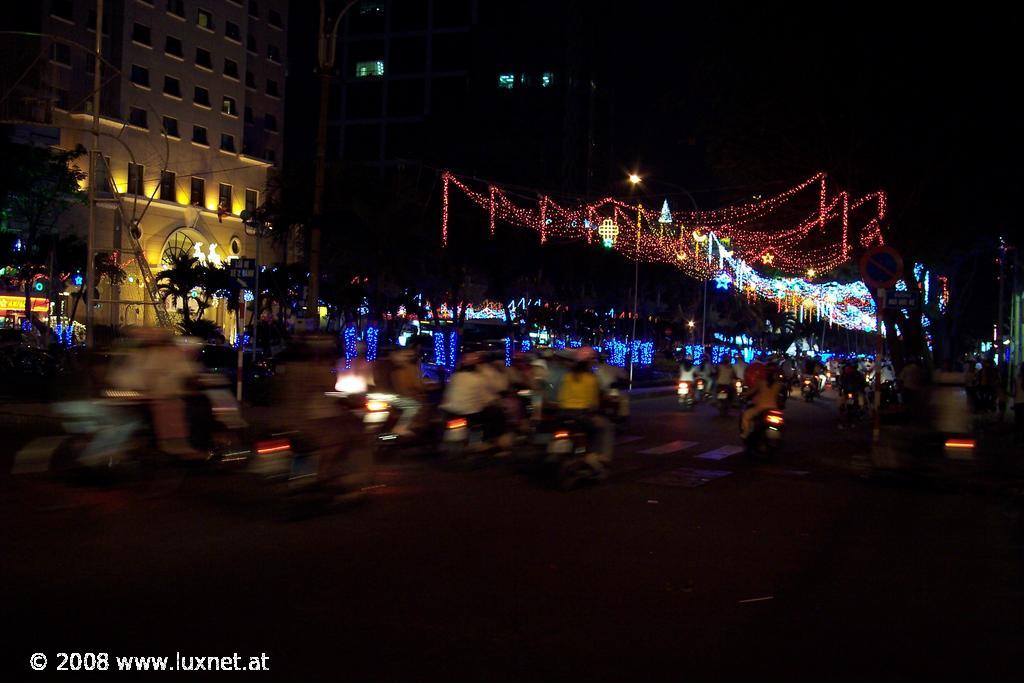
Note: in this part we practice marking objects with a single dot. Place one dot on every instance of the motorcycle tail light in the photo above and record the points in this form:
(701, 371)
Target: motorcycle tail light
(562, 435)
(960, 443)
(273, 446)
(683, 389)
(375, 406)
(459, 423)
(774, 418)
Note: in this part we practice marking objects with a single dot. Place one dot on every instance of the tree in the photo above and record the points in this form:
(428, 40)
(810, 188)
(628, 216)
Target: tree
(37, 188)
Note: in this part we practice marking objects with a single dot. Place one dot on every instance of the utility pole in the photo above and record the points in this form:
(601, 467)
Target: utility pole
(327, 48)
(90, 246)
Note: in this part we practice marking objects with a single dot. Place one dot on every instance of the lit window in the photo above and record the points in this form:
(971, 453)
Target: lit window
(507, 81)
(204, 19)
(228, 106)
(370, 69)
(546, 79)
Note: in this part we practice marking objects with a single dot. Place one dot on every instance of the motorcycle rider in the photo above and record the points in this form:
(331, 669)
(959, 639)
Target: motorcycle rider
(739, 368)
(407, 382)
(469, 394)
(763, 395)
(579, 396)
(851, 381)
(725, 377)
(707, 373)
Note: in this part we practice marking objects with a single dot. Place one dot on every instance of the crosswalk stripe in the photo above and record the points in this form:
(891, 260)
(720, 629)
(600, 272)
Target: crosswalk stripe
(36, 454)
(670, 447)
(720, 453)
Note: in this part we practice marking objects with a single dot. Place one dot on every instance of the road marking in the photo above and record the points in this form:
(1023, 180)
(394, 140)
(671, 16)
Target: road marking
(35, 456)
(670, 447)
(767, 597)
(687, 477)
(720, 453)
(628, 438)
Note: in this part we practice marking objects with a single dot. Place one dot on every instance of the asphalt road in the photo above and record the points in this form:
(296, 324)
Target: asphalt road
(689, 563)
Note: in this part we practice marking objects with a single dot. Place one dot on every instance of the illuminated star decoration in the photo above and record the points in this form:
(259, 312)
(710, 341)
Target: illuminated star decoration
(768, 259)
(723, 280)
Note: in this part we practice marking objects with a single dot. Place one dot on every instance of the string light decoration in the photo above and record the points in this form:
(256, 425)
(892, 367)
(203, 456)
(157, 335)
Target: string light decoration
(819, 239)
(372, 335)
(350, 345)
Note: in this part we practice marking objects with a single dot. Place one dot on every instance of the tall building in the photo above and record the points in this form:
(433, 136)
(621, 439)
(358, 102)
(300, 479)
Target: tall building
(191, 127)
(506, 90)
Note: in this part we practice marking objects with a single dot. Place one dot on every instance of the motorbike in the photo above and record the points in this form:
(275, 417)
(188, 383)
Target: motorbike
(699, 390)
(686, 393)
(722, 399)
(809, 391)
(739, 393)
(569, 459)
(851, 409)
(765, 437)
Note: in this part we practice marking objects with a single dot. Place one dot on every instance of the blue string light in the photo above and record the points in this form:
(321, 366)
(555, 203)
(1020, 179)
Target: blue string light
(453, 348)
(558, 343)
(575, 343)
(440, 350)
(372, 335)
(525, 345)
(508, 352)
(350, 345)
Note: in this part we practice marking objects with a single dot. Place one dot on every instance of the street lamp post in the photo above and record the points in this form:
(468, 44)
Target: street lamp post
(636, 179)
(327, 45)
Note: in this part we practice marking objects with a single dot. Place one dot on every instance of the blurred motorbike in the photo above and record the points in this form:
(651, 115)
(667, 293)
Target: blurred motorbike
(686, 393)
(765, 437)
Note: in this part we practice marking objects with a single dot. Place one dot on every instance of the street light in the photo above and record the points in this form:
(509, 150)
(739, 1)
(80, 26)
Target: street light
(634, 179)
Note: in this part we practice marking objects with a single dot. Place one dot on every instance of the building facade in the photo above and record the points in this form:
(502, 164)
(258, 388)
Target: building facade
(191, 127)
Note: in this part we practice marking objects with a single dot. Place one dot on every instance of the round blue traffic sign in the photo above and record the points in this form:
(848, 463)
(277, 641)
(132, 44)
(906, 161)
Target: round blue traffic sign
(881, 267)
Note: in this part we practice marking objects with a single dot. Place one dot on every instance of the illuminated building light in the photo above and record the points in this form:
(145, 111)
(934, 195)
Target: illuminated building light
(440, 349)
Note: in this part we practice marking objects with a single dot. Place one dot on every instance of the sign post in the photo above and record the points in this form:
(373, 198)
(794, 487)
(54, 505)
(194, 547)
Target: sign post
(881, 268)
(241, 345)
(243, 270)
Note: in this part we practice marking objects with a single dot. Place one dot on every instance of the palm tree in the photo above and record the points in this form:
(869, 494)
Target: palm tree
(179, 281)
